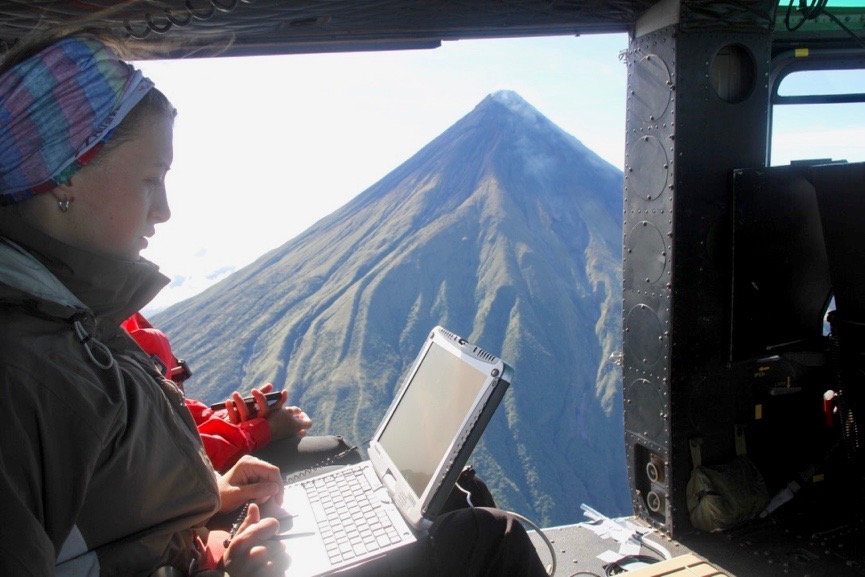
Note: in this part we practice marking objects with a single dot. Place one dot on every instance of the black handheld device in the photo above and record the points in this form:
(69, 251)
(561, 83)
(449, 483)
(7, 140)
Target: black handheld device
(250, 402)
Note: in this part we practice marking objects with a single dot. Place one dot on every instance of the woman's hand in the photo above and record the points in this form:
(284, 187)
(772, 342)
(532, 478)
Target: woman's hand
(238, 412)
(250, 479)
(288, 422)
(251, 553)
(285, 422)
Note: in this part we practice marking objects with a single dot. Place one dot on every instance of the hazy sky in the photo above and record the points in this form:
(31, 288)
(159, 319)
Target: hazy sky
(266, 146)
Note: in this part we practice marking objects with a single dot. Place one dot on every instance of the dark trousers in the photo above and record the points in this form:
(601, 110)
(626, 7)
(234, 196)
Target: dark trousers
(300, 453)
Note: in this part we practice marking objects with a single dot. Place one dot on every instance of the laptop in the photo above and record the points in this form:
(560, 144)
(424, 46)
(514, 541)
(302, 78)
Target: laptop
(415, 456)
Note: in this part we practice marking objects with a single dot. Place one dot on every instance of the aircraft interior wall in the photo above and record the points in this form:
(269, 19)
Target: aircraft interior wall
(795, 380)
(729, 269)
(790, 223)
(777, 382)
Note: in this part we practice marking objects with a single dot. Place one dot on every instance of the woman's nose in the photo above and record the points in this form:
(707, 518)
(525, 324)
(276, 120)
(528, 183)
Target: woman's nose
(159, 210)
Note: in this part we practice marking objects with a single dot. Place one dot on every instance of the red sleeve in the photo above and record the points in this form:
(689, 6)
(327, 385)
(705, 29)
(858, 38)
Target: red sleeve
(200, 411)
(225, 442)
(152, 341)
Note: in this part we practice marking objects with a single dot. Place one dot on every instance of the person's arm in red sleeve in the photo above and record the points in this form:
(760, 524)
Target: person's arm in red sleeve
(284, 421)
(226, 442)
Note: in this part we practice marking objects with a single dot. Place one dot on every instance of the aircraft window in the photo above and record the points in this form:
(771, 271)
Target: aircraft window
(733, 73)
(837, 3)
(830, 3)
(818, 114)
(834, 82)
(818, 131)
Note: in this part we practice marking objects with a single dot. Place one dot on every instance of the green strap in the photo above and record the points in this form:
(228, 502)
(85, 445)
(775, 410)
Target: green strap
(739, 432)
(696, 456)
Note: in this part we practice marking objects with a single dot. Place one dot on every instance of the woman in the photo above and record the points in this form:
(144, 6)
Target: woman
(101, 469)
(102, 466)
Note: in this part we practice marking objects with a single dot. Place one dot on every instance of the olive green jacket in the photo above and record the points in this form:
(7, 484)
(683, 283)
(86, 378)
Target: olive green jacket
(101, 468)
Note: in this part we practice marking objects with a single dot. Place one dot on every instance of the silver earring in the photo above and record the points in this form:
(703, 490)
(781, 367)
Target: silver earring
(63, 205)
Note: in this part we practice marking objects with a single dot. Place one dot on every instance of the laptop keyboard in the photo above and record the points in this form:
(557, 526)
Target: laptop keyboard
(350, 522)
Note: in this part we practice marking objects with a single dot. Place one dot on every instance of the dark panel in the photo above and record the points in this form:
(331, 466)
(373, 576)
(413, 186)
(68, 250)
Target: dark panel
(840, 190)
(840, 194)
(781, 274)
(697, 109)
(649, 172)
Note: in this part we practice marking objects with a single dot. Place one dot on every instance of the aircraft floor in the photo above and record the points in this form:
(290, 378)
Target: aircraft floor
(784, 548)
(582, 552)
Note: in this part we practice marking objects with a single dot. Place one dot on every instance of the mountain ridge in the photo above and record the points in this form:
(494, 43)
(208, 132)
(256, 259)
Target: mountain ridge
(478, 231)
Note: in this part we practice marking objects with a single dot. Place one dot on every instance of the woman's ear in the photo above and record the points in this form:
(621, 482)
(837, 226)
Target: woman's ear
(63, 195)
(59, 193)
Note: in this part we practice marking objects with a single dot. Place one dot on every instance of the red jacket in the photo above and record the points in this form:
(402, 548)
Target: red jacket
(223, 441)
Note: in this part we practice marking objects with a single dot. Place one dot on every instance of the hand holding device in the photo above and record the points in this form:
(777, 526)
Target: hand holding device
(271, 398)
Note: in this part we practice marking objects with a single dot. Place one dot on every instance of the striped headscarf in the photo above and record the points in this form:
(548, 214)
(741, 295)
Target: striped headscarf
(57, 109)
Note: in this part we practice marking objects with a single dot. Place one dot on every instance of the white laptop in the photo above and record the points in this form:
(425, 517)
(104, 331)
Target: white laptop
(417, 453)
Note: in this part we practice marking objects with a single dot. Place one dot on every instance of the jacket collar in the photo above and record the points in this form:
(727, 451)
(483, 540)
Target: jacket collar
(111, 288)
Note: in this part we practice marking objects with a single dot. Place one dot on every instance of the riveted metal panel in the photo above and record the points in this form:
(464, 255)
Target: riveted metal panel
(689, 112)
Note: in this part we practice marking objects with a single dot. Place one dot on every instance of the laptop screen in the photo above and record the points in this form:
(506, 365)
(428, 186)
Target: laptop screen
(430, 414)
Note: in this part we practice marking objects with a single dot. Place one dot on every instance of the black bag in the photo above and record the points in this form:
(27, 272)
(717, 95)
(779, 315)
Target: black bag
(469, 491)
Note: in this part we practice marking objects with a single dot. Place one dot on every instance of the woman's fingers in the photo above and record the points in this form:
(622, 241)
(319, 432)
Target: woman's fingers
(231, 411)
(252, 547)
(240, 406)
